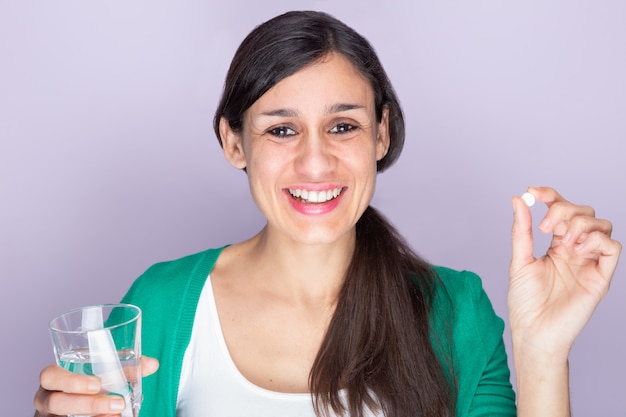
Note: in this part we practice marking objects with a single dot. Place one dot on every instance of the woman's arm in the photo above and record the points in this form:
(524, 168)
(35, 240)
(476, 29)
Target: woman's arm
(553, 297)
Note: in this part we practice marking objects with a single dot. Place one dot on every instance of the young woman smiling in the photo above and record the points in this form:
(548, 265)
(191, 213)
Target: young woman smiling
(326, 311)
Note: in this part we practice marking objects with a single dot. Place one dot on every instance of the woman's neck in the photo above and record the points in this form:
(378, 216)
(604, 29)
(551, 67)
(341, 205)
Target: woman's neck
(303, 273)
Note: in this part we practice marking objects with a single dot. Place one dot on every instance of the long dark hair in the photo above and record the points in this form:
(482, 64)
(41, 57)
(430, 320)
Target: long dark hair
(378, 347)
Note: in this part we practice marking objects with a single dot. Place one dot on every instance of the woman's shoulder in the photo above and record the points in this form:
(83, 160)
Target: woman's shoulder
(457, 280)
(460, 296)
(173, 276)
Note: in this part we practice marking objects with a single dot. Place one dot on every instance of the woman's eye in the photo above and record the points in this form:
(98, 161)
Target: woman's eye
(342, 128)
(281, 132)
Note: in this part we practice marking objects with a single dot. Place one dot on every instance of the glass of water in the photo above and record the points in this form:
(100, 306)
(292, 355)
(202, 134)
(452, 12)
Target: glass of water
(105, 341)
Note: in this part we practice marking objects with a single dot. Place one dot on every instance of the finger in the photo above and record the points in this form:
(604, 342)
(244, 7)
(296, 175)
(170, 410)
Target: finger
(547, 195)
(560, 209)
(521, 235)
(559, 215)
(581, 226)
(55, 378)
(607, 249)
(149, 365)
(552, 199)
(62, 403)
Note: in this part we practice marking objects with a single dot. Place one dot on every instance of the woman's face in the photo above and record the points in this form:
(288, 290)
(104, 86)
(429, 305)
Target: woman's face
(310, 146)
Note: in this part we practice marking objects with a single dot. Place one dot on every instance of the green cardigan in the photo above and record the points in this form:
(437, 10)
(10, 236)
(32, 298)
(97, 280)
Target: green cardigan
(168, 295)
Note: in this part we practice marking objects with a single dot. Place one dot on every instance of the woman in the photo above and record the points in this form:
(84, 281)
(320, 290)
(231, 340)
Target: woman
(326, 311)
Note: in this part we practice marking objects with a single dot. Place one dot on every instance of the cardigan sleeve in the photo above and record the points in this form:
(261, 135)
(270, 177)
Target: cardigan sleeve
(494, 395)
(478, 351)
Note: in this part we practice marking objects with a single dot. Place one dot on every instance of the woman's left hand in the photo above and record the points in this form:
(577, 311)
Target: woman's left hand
(551, 298)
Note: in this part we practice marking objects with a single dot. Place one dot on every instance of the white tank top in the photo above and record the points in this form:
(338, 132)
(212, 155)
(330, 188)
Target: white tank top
(212, 386)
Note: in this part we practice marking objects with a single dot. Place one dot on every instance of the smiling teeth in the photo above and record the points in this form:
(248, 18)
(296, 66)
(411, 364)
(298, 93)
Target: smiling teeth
(315, 196)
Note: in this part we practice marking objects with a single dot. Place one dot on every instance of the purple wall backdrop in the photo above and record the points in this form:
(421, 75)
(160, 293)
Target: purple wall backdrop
(108, 162)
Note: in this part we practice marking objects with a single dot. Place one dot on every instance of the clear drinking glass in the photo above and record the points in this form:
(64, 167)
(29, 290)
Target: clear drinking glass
(103, 340)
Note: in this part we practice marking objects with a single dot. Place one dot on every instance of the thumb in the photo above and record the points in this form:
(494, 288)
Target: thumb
(521, 235)
(148, 365)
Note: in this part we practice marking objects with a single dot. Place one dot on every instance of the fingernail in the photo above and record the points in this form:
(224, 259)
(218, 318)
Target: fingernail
(566, 238)
(117, 404)
(544, 223)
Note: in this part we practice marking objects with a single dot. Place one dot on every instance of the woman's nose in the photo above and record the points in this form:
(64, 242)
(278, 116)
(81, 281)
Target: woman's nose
(315, 159)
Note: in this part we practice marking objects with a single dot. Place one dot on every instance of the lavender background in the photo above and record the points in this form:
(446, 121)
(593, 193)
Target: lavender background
(108, 162)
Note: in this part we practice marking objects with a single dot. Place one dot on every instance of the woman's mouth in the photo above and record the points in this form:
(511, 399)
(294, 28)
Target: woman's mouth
(314, 196)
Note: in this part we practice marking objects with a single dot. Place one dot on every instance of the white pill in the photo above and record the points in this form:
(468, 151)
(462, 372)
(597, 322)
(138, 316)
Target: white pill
(529, 199)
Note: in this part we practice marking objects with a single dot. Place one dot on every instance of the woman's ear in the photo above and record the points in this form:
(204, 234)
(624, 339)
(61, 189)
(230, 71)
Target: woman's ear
(232, 143)
(382, 136)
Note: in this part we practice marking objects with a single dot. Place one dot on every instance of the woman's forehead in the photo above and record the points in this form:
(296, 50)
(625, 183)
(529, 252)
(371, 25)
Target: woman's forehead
(331, 84)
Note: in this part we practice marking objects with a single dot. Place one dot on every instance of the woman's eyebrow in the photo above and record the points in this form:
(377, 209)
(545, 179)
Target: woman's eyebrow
(280, 113)
(341, 107)
(335, 108)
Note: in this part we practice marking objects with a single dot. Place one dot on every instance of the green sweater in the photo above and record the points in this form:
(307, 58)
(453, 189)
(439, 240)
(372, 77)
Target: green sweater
(168, 295)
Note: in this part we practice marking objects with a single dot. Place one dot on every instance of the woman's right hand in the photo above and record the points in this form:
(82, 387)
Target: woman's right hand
(62, 392)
